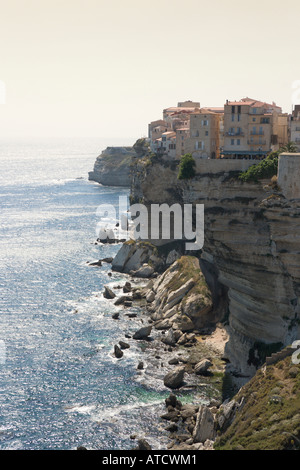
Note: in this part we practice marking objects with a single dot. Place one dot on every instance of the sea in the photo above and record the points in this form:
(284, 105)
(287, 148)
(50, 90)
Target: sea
(61, 386)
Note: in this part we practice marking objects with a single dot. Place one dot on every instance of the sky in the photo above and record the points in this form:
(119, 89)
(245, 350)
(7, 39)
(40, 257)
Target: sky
(94, 68)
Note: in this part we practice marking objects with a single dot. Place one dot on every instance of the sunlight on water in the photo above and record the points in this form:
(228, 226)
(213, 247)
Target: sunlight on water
(60, 384)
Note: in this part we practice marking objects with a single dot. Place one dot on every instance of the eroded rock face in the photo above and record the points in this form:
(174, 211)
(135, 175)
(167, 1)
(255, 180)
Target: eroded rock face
(251, 250)
(112, 167)
(180, 297)
(134, 258)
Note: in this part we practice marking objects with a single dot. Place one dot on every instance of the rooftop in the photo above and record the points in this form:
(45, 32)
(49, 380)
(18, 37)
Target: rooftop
(253, 103)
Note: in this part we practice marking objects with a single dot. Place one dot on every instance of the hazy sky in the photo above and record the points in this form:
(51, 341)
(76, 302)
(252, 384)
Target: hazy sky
(107, 68)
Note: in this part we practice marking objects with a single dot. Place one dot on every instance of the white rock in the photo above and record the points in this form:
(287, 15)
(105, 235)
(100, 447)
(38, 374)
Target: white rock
(205, 426)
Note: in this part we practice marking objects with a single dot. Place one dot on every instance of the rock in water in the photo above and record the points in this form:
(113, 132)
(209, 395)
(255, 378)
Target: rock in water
(108, 293)
(202, 366)
(118, 352)
(143, 445)
(124, 345)
(174, 379)
(127, 287)
(143, 332)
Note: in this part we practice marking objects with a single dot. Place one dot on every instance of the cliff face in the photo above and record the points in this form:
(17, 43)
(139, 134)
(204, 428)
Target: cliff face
(113, 167)
(251, 248)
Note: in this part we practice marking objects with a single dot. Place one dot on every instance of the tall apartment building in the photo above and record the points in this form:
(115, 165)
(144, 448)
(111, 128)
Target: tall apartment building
(295, 126)
(204, 134)
(182, 136)
(252, 128)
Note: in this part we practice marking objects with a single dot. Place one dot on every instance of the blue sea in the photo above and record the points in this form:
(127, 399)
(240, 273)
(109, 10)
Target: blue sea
(60, 385)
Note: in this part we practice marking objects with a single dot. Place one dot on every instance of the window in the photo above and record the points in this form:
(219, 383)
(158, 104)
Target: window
(206, 132)
(232, 141)
(239, 117)
(232, 117)
(254, 119)
(232, 109)
(254, 110)
(238, 142)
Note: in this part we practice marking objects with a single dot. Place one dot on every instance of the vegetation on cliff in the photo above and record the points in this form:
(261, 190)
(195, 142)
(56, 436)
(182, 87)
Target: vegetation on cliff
(187, 167)
(267, 167)
(270, 416)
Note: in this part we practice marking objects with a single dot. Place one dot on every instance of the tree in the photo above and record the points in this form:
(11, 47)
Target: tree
(187, 167)
(290, 147)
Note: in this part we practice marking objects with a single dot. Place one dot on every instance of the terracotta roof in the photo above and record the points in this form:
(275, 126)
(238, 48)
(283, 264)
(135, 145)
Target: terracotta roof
(252, 103)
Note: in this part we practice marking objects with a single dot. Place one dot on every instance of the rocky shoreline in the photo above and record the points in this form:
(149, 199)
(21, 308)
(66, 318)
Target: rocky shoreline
(182, 351)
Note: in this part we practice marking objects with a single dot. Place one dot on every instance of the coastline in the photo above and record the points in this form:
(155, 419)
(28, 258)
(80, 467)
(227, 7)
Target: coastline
(158, 359)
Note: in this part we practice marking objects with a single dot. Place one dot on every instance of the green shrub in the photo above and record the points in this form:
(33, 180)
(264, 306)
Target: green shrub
(187, 167)
(267, 167)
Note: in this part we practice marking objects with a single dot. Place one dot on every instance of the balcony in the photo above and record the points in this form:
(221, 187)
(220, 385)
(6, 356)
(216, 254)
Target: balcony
(257, 133)
(235, 134)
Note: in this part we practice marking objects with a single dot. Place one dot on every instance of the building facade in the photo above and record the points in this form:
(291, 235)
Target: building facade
(295, 126)
(251, 128)
(204, 135)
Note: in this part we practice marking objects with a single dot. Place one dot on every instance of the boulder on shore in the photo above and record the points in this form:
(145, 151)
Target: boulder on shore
(202, 366)
(108, 293)
(143, 332)
(174, 379)
(144, 271)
